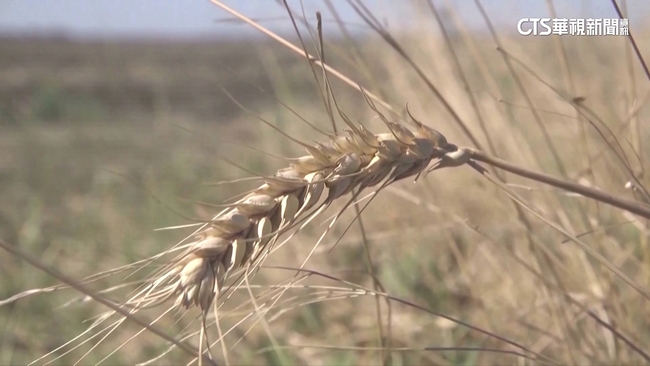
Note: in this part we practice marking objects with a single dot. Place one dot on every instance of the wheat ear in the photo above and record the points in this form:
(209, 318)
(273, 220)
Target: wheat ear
(242, 234)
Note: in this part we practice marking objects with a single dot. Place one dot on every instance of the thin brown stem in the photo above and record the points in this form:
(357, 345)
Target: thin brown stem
(633, 42)
(631, 206)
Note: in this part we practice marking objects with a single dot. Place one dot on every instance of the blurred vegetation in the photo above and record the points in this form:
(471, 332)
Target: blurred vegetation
(94, 135)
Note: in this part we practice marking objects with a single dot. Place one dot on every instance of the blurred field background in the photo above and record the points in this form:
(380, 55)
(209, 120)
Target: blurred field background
(91, 131)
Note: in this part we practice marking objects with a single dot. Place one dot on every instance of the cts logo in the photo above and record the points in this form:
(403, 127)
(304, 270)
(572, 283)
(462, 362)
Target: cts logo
(534, 29)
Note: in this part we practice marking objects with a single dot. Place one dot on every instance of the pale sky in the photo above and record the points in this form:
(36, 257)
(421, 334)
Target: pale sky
(198, 18)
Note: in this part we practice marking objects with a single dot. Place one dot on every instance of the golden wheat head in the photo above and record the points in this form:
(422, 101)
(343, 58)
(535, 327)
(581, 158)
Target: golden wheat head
(241, 235)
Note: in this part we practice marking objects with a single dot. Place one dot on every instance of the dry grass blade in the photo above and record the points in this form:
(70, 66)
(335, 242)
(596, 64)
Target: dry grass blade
(633, 42)
(426, 310)
(292, 47)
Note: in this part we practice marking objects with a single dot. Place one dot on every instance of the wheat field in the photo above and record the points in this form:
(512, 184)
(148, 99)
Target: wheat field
(230, 199)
